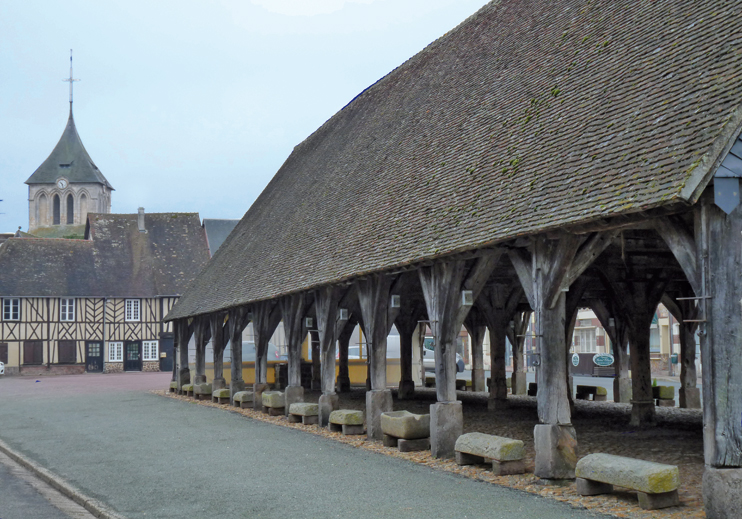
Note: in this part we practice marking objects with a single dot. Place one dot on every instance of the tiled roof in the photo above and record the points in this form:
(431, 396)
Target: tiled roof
(70, 160)
(217, 231)
(117, 260)
(528, 116)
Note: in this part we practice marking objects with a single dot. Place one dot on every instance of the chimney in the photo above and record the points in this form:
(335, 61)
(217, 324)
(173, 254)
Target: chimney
(140, 220)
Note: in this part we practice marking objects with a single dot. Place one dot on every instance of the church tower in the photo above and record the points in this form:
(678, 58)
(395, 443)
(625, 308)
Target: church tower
(67, 186)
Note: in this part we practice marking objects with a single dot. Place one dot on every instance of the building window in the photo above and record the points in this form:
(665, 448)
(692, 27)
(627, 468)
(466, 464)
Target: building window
(33, 352)
(150, 350)
(11, 309)
(66, 309)
(55, 209)
(67, 352)
(132, 309)
(584, 341)
(70, 209)
(115, 352)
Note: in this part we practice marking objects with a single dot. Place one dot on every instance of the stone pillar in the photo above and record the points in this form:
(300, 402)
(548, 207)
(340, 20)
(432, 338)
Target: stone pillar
(442, 285)
(719, 240)
(326, 302)
(201, 334)
(293, 314)
(236, 323)
(374, 293)
(216, 324)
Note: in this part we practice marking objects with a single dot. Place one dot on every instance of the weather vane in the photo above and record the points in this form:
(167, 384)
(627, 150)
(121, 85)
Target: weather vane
(70, 80)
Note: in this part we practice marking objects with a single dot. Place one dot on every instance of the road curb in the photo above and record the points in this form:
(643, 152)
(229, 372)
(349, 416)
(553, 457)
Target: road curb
(93, 506)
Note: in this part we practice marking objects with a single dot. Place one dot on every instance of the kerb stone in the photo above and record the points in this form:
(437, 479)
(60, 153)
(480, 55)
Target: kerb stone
(446, 425)
(722, 492)
(406, 425)
(377, 401)
(556, 451)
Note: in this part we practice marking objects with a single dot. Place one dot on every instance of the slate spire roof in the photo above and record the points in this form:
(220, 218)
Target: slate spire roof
(70, 160)
(529, 116)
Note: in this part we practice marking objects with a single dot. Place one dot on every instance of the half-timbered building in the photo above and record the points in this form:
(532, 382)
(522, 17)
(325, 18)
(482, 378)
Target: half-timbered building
(97, 304)
(541, 157)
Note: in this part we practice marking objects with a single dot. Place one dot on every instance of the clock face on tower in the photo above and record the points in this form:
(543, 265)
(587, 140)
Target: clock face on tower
(61, 183)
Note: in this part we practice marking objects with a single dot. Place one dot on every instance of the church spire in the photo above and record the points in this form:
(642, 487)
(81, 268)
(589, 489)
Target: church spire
(70, 80)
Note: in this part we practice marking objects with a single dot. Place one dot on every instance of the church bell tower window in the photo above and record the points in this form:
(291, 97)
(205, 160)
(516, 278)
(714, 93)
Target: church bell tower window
(70, 209)
(56, 210)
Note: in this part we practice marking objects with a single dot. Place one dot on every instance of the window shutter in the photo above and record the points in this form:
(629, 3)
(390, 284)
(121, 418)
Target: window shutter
(67, 352)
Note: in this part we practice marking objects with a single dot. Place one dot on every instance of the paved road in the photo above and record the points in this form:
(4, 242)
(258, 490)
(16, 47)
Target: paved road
(148, 456)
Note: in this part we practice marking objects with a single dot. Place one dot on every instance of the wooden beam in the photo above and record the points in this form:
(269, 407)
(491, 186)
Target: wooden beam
(683, 246)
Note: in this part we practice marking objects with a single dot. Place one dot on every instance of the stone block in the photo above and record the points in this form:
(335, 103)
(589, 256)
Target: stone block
(294, 418)
(274, 399)
(350, 430)
(218, 383)
(377, 402)
(429, 381)
(519, 383)
(389, 441)
(220, 396)
(463, 458)
(346, 417)
(689, 397)
(656, 501)
(622, 391)
(310, 420)
(257, 396)
(419, 444)
(507, 468)
(639, 475)
(406, 390)
(662, 402)
(490, 447)
(663, 392)
(201, 391)
(243, 399)
(587, 487)
(460, 385)
(406, 425)
(446, 425)
(304, 409)
(722, 492)
(326, 406)
(292, 395)
(556, 451)
(173, 386)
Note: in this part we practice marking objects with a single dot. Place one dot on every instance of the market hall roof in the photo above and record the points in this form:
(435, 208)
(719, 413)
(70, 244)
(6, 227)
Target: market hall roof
(69, 160)
(115, 259)
(526, 117)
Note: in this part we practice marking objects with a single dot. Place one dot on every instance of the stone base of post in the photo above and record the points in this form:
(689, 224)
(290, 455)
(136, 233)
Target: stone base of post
(199, 379)
(184, 377)
(722, 492)
(235, 387)
(556, 451)
(406, 390)
(690, 397)
(446, 425)
(477, 380)
(218, 383)
(257, 395)
(497, 404)
(327, 404)
(377, 401)
(292, 395)
(622, 390)
(343, 384)
(642, 413)
(519, 383)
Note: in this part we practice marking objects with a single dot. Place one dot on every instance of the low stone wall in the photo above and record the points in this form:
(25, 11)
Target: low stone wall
(113, 367)
(151, 366)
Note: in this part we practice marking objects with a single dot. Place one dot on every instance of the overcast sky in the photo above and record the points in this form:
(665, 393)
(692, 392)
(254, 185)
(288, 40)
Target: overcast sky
(192, 105)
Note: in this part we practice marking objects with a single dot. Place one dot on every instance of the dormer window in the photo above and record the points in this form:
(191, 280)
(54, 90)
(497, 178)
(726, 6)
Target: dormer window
(65, 165)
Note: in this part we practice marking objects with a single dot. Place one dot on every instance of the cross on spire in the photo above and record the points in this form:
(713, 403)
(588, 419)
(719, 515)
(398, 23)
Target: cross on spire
(70, 80)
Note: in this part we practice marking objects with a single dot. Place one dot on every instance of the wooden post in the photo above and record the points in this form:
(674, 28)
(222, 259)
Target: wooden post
(294, 309)
(517, 336)
(442, 285)
(316, 360)
(202, 334)
(236, 323)
(407, 325)
(689, 395)
(618, 333)
(216, 324)
(265, 315)
(343, 380)
(476, 327)
(326, 301)
(183, 334)
(546, 274)
(374, 293)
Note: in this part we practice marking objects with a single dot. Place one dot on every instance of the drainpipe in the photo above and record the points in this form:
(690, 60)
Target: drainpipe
(103, 339)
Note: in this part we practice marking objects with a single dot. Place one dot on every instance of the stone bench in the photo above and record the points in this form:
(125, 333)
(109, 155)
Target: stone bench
(655, 483)
(407, 431)
(505, 454)
(186, 389)
(598, 394)
(347, 421)
(220, 396)
(664, 396)
(429, 381)
(274, 402)
(304, 412)
(173, 387)
(201, 391)
(243, 399)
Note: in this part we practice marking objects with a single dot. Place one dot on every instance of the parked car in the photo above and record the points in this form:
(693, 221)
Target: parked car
(429, 356)
(274, 354)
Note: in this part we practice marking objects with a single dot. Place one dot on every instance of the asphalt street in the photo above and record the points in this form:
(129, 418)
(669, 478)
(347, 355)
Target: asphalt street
(148, 456)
